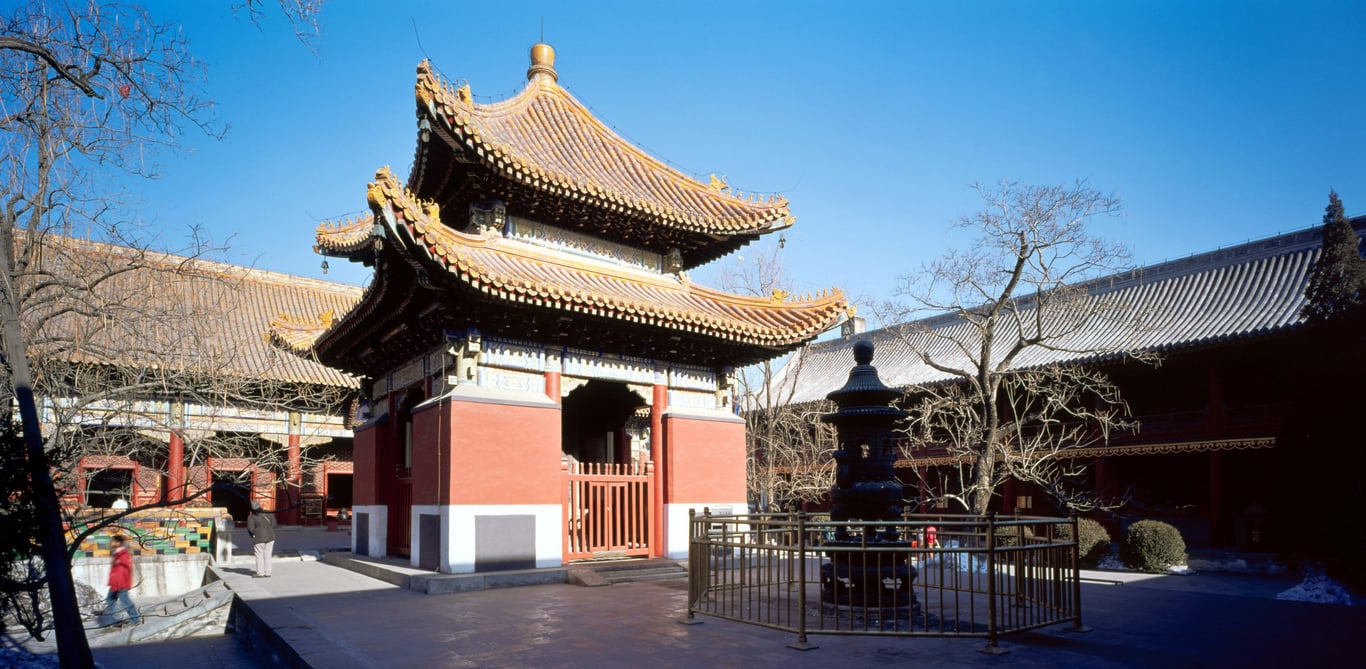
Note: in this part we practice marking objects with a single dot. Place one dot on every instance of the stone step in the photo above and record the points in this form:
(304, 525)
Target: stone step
(194, 612)
(644, 576)
(608, 572)
(651, 573)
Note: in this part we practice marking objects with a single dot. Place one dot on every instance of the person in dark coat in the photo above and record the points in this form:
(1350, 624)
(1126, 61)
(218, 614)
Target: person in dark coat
(261, 527)
(121, 581)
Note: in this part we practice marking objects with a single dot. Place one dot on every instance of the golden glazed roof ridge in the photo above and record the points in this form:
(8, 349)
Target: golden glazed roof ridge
(542, 63)
(530, 275)
(543, 137)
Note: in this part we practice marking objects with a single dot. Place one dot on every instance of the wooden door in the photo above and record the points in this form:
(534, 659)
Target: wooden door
(608, 510)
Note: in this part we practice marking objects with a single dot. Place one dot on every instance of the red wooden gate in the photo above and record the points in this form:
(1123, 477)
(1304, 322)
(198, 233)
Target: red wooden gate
(401, 515)
(608, 510)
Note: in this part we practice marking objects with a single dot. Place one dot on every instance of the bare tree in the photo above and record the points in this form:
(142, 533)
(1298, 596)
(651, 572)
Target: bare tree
(788, 449)
(1013, 398)
(121, 337)
(301, 14)
(87, 89)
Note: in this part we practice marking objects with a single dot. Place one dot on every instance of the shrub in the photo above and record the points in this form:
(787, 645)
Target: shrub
(1009, 535)
(1152, 546)
(1094, 544)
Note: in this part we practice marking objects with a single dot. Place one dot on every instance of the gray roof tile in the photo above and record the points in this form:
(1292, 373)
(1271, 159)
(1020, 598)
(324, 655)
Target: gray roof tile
(1249, 290)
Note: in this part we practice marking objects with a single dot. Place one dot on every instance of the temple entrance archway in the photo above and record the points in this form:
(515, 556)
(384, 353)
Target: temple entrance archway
(608, 509)
(595, 422)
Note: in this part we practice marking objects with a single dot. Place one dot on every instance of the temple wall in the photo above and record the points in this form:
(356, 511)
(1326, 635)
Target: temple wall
(501, 451)
(369, 529)
(465, 538)
(704, 456)
(486, 482)
(430, 446)
(365, 488)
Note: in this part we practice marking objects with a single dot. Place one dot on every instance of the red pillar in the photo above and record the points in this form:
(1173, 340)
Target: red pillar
(175, 468)
(293, 472)
(295, 466)
(552, 386)
(658, 404)
(174, 485)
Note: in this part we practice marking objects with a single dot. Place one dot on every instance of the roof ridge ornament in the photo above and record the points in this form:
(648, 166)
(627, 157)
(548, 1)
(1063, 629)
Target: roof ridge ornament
(542, 63)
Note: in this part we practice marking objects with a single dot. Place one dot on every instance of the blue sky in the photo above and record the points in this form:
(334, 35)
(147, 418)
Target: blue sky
(1215, 122)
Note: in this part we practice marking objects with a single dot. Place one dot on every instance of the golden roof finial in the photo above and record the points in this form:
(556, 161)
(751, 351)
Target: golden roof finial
(542, 63)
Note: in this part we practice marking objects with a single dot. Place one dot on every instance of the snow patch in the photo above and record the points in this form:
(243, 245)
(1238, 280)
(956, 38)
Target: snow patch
(20, 659)
(1318, 589)
(962, 562)
(1111, 563)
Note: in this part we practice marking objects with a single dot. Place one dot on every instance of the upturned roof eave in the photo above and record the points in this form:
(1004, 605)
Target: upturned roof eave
(459, 119)
(500, 274)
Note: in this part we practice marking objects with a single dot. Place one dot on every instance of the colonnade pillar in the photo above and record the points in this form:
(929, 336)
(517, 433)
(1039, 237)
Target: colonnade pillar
(175, 457)
(295, 475)
(552, 386)
(293, 470)
(175, 468)
(658, 404)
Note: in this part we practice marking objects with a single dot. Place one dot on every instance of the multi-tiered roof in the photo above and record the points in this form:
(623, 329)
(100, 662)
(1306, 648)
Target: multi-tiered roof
(530, 219)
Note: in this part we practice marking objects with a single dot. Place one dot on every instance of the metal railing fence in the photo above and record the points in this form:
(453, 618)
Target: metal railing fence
(974, 576)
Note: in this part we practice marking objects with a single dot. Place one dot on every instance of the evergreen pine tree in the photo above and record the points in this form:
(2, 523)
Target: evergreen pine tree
(1337, 283)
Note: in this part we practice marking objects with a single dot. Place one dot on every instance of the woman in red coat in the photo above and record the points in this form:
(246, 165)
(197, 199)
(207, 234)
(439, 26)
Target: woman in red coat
(121, 581)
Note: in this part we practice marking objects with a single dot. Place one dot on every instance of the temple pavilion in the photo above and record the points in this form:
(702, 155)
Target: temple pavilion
(542, 382)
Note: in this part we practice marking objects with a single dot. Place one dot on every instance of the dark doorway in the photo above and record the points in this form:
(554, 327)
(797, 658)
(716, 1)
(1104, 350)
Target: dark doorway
(593, 424)
(338, 491)
(106, 486)
(230, 492)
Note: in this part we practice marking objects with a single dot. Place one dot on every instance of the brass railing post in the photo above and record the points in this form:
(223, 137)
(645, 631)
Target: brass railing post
(1077, 626)
(699, 573)
(991, 647)
(801, 642)
(1020, 555)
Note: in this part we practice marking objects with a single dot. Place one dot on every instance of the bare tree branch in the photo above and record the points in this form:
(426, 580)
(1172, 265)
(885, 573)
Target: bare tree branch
(1012, 405)
(89, 88)
(788, 448)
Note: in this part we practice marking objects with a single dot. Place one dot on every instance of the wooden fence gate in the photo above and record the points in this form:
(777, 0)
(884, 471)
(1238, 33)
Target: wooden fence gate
(608, 510)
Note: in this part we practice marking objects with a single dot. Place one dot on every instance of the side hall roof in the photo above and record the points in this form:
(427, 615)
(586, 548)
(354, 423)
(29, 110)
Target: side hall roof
(135, 307)
(1250, 290)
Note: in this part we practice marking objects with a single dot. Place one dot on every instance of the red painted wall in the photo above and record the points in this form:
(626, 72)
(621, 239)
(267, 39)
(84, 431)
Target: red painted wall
(365, 489)
(497, 454)
(704, 460)
(429, 431)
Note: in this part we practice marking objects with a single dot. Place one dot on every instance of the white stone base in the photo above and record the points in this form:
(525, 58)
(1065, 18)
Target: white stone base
(379, 528)
(458, 533)
(676, 523)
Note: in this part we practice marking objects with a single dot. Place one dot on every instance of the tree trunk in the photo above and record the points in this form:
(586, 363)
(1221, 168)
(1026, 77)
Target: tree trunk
(73, 649)
(980, 499)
